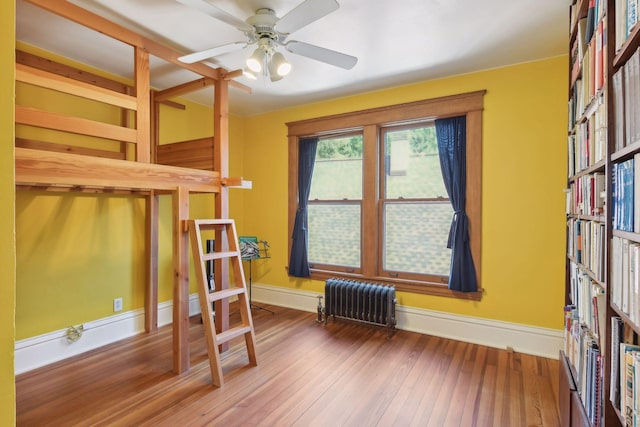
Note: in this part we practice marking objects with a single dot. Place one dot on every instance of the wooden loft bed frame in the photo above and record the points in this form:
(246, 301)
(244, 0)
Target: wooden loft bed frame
(151, 171)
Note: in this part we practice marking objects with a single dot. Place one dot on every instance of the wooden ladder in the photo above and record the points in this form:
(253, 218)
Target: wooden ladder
(207, 298)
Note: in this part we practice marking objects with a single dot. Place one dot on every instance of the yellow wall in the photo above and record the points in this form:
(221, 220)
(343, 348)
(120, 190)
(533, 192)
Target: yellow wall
(524, 172)
(7, 240)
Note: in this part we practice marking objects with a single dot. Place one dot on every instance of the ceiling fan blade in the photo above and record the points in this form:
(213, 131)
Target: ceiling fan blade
(206, 7)
(321, 54)
(304, 14)
(209, 53)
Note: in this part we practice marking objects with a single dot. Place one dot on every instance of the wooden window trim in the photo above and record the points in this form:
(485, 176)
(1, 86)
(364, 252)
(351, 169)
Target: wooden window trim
(369, 122)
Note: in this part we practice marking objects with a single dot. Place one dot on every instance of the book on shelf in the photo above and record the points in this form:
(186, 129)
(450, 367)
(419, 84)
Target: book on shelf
(617, 336)
(618, 108)
(588, 301)
(626, 17)
(632, 16)
(587, 145)
(587, 194)
(625, 277)
(623, 177)
(590, 378)
(599, 310)
(591, 20)
(636, 193)
(628, 382)
(626, 99)
(586, 245)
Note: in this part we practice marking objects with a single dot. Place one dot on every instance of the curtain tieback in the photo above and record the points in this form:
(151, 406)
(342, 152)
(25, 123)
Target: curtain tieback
(459, 220)
(300, 222)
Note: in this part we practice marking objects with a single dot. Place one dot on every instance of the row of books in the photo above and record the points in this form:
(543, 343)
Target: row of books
(587, 84)
(595, 13)
(588, 297)
(591, 30)
(583, 352)
(586, 195)
(588, 143)
(624, 389)
(625, 194)
(626, 102)
(626, 19)
(625, 277)
(586, 245)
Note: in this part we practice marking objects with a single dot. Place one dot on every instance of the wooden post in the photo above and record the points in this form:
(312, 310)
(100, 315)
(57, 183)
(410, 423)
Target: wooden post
(143, 113)
(151, 291)
(221, 164)
(181, 281)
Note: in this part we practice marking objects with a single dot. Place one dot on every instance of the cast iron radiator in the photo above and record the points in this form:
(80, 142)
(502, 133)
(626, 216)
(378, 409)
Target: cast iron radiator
(364, 302)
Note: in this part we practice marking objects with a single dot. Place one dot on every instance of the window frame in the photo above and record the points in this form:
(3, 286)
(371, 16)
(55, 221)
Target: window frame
(370, 122)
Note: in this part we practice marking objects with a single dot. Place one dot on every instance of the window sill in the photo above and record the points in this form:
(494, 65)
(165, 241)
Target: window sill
(425, 288)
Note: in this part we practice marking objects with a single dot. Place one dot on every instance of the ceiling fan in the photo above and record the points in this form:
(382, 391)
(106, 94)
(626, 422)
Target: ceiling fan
(268, 32)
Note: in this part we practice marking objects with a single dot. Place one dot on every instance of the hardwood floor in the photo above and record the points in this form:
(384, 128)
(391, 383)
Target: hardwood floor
(308, 374)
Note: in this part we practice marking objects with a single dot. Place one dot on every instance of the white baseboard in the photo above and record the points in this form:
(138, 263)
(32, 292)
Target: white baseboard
(35, 352)
(492, 333)
(32, 353)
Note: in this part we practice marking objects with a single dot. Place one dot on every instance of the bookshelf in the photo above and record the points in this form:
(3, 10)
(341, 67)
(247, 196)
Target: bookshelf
(600, 363)
(583, 379)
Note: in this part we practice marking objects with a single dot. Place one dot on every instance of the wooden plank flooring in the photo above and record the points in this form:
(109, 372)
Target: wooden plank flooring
(308, 374)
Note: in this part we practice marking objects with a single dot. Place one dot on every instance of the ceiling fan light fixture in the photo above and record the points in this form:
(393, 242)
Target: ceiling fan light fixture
(280, 65)
(273, 72)
(255, 61)
(249, 74)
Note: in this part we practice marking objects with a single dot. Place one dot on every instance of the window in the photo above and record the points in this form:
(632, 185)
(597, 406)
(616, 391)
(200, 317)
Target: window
(335, 204)
(377, 207)
(415, 208)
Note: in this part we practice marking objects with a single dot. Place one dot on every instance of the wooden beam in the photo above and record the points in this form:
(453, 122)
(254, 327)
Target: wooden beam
(73, 73)
(63, 84)
(143, 115)
(240, 86)
(76, 74)
(231, 74)
(36, 167)
(82, 189)
(49, 120)
(173, 92)
(65, 148)
(181, 282)
(95, 22)
(174, 104)
(236, 183)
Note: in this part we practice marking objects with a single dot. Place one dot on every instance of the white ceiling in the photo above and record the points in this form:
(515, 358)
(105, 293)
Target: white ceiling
(397, 42)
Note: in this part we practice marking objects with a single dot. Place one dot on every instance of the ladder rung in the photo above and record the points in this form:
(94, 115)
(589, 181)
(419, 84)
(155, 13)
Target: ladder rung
(209, 224)
(232, 333)
(225, 293)
(219, 255)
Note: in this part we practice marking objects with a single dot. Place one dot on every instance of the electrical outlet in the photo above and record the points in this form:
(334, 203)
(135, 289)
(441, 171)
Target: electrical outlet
(117, 304)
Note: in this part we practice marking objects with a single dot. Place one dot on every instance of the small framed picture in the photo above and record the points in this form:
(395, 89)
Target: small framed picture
(249, 248)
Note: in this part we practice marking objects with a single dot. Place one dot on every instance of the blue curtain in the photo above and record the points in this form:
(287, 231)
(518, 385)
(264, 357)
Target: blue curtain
(452, 146)
(298, 262)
